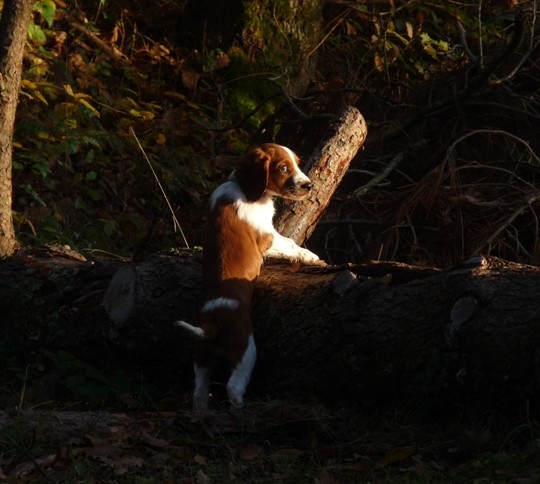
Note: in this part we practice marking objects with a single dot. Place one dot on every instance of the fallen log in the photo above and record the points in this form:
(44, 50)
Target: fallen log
(372, 332)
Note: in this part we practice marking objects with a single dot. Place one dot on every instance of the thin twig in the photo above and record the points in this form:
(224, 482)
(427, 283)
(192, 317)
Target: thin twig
(493, 131)
(289, 99)
(480, 43)
(23, 392)
(350, 221)
(533, 197)
(338, 20)
(176, 223)
(381, 176)
(113, 53)
(504, 107)
(464, 44)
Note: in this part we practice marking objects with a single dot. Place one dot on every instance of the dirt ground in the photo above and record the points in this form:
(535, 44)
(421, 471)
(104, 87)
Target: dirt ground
(267, 441)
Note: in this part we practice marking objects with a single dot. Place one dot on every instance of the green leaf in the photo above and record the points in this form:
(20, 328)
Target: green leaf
(110, 227)
(95, 195)
(36, 34)
(47, 9)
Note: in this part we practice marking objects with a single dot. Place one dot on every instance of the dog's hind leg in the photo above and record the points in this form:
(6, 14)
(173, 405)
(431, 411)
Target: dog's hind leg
(239, 379)
(200, 393)
(203, 364)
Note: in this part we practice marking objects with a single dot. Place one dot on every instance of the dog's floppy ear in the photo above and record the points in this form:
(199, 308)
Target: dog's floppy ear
(252, 173)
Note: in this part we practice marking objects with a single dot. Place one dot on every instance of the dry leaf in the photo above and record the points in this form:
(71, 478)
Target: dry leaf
(125, 464)
(410, 30)
(119, 433)
(325, 478)
(379, 62)
(251, 452)
(199, 459)
(222, 61)
(154, 442)
(96, 440)
(351, 29)
(190, 79)
(287, 454)
(398, 454)
(201, 477)
(26, 468)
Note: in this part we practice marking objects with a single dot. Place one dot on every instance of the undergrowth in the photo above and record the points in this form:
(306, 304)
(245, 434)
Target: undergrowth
(268, 441)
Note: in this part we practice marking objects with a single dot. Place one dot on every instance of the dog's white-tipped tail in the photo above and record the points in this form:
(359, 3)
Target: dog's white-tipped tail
(194, 330)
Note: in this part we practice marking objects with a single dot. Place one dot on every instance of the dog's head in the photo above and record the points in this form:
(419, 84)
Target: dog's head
(272, 169)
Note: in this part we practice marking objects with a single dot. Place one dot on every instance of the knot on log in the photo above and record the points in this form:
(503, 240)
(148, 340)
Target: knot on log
(462, 311)
(119, 299)
(343, 282)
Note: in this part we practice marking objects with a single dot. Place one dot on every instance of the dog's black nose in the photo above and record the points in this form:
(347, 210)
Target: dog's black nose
(307, 185)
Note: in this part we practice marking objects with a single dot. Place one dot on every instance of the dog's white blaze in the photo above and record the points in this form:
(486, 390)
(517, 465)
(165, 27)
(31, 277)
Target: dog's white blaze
(200, 394)
(298, 175)
(290, 153)
(220, 303)
(236, 386)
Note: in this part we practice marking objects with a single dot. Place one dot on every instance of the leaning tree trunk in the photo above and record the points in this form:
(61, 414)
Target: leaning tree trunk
(13, 30)
(326, 167)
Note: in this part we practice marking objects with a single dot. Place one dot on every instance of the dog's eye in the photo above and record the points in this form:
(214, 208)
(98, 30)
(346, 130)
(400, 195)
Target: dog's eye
(283, 168)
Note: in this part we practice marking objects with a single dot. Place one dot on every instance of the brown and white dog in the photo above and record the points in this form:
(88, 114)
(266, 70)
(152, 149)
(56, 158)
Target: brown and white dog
(239, 233)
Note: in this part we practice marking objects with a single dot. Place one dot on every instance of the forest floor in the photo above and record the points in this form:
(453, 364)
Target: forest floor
(267, 441)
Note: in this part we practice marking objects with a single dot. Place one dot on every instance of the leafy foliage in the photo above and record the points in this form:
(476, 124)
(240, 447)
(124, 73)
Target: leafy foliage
(391, 48)
(80, 177)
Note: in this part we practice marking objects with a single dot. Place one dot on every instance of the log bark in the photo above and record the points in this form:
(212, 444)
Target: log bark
(374, 332)
(369, 333)
(326, 167)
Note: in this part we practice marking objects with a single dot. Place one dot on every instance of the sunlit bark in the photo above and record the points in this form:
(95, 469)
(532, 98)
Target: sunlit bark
(13, 30)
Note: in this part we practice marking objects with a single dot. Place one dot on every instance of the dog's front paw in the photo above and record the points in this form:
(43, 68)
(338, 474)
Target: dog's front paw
(308, 257)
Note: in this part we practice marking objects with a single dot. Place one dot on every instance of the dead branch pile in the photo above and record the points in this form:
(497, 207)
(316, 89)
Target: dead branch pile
(481, 197)
(450, 170)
